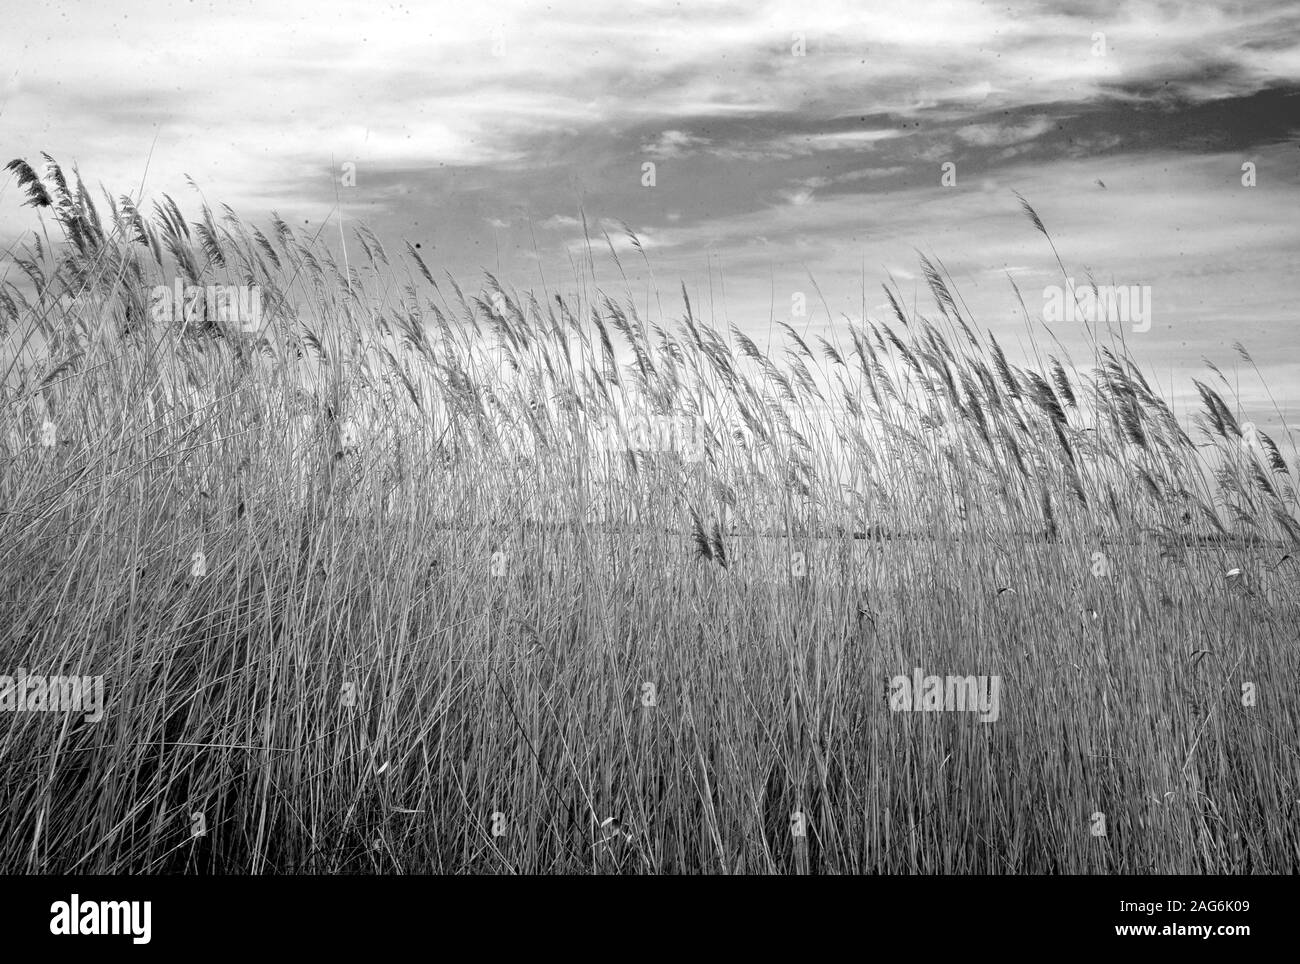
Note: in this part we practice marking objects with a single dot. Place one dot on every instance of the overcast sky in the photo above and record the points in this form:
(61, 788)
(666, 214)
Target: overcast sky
(480, 131)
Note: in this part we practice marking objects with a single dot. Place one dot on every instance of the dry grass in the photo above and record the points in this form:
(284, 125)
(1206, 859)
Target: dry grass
(433, 591)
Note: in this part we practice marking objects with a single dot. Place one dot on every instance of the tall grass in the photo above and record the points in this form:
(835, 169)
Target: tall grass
(454, 613)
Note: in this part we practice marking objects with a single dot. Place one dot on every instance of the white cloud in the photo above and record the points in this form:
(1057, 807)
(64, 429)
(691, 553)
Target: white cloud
(619, 239)
(992, 135)
(673, 144)
(836, 141)
(798, 197)
(559, 222)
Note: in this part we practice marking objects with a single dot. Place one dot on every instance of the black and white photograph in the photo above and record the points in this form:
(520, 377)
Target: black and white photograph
(714, 438)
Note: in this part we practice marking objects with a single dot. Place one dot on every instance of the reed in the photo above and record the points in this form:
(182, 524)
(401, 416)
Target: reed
(494, 584)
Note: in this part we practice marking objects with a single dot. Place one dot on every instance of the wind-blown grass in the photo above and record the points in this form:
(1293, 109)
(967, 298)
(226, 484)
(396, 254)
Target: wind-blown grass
(454, 614)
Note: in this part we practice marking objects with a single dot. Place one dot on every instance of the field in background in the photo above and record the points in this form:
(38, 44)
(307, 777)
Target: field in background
(392, 577)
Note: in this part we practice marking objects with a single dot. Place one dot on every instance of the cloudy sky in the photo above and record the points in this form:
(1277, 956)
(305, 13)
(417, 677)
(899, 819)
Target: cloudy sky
(792, 143)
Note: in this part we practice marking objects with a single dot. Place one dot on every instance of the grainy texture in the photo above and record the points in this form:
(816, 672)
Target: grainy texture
(460, 609)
